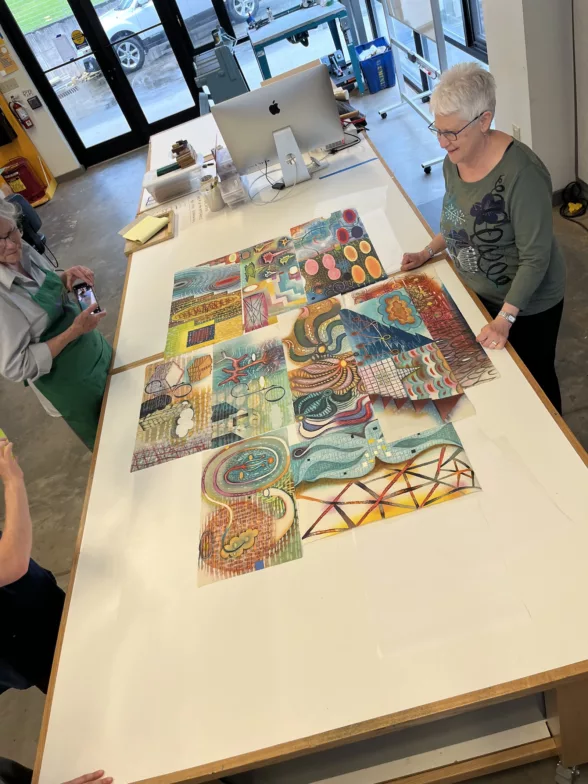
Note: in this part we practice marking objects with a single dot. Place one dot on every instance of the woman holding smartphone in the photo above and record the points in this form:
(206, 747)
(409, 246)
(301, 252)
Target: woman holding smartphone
(45, 341)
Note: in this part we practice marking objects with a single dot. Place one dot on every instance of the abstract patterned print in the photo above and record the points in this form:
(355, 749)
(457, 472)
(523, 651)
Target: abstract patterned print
(467, 359)
(212, 278)
(325, 381)
(175, 415)
(248, 520)
(251, 394)
(206, 306)
(430, 377)
(272, 283)
(318, 333)
(348, 479)
(336, 255)
(201, 321)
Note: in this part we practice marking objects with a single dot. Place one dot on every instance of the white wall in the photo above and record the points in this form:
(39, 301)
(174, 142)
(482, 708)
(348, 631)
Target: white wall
(581, 24)
(530, 54)
(46, 135)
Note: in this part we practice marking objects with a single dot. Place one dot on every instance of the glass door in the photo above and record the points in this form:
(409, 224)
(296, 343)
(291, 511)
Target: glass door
(112, 72)
(134, 32)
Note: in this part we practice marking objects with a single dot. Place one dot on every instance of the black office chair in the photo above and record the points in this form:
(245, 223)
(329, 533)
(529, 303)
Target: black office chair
(30, 223)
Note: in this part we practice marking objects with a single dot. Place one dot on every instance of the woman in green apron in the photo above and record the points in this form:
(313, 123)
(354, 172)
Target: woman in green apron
(45, 341)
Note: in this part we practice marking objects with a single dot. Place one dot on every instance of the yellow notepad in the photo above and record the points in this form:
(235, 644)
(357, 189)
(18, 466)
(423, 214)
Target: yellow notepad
(145, 229)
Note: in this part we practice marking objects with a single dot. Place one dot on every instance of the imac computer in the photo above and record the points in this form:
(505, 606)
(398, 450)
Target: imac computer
(280, 122)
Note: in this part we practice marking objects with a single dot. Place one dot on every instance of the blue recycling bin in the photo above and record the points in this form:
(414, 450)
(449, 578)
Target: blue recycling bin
(378, 71)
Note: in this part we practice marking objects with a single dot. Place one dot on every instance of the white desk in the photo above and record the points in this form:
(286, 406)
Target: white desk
(301, 21)
(285, 24)
(454, 606)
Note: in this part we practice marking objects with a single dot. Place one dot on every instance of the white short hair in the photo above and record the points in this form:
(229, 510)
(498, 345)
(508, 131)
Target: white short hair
(8, 210)
(466, 89)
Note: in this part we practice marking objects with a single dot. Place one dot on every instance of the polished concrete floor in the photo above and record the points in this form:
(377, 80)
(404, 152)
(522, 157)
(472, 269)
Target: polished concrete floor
(82, 224)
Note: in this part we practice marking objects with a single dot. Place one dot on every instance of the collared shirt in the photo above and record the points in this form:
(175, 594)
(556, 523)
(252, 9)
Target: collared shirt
(22, 322)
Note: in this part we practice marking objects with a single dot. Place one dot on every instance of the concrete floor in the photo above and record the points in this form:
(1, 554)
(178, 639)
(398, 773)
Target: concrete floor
(81, 224)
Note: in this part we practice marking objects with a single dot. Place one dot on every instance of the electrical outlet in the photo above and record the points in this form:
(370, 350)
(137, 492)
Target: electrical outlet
(516, 132)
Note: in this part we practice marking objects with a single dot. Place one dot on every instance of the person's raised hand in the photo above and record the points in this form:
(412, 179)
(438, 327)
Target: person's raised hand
(495, 334)
(97, 777)
(411, 261)
(87, 321)
(78, 273)
(10, 471)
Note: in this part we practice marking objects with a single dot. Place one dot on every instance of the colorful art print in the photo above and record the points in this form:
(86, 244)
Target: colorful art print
(175, 414)
(251, 394)
(450, 331)
(202, 321)
(351, 478)
(318, 333)
(324, 378)
(384, 357)
(264, 300)
(395, 354)
(336, 255)
(272, 255)
(249, 519)
(444, 322)
(214, 277)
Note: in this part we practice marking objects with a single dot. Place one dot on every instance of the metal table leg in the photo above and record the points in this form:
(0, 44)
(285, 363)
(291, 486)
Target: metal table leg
(335, 34)
(263, 63)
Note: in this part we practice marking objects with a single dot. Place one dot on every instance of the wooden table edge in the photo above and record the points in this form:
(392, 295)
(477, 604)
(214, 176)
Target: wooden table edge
(483, 765)
(373, 728)
(355, 732)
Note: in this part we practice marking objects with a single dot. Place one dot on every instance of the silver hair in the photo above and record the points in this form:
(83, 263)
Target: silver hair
(9, 211)
(466, 89)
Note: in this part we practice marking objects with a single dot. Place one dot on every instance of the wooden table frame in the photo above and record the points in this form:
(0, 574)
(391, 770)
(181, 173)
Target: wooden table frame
(565, 688)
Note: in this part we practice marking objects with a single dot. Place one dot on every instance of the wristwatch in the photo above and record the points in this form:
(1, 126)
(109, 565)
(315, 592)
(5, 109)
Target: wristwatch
(430, 251)
(507, 316)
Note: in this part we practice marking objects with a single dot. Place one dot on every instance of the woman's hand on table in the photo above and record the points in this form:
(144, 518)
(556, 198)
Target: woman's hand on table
(77, 273)
(86, 322)
(97, 776)
(411, 261)
(10, 471)
(495, 334)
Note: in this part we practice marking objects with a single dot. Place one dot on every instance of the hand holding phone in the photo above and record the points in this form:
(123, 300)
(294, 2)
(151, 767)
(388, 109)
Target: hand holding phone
(86, 297)
(85, 322)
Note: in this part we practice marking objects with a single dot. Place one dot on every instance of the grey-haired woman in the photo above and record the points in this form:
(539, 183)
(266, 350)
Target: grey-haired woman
(45, 341)
(497, 224)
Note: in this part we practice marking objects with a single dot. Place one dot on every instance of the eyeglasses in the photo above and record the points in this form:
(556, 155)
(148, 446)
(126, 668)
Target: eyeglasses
(451, 136)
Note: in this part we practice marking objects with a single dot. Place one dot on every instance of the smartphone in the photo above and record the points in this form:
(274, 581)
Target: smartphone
(86, 297)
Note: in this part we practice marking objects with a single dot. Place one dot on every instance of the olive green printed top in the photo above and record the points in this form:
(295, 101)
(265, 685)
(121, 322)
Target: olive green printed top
(499, 232)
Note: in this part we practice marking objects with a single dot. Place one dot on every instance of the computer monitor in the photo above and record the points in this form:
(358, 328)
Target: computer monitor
(281, 121)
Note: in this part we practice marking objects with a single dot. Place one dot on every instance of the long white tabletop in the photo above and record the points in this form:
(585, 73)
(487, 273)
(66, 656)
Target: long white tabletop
(157, 675)
(304, 16)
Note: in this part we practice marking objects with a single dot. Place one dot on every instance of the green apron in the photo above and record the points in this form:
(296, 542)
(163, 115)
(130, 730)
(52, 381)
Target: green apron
(75, 384)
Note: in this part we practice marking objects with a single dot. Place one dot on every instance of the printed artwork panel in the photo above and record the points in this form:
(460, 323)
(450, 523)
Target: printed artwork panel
(353, 477)
(206, 306)
(176, 410)
(324, 377)
(336, 255)
(443, 321)
(251, 394)
(249, 519)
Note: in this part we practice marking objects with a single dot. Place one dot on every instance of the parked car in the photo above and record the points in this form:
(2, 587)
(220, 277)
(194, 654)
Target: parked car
(132, 17)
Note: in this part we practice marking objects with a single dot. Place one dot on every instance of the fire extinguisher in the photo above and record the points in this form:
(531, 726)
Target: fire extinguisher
(21, 114)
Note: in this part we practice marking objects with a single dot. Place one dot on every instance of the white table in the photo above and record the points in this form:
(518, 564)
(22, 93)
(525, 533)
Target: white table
(300, 21)
(423, 616)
